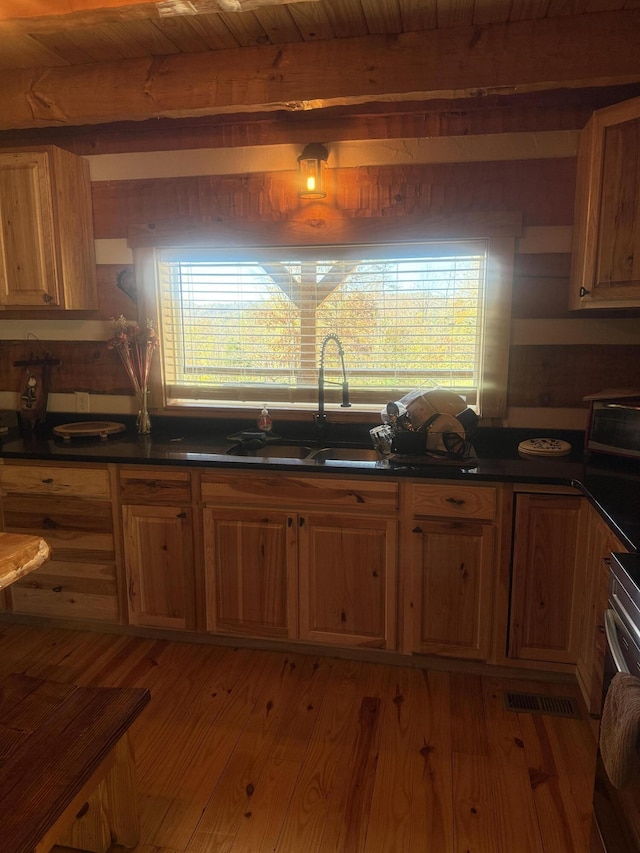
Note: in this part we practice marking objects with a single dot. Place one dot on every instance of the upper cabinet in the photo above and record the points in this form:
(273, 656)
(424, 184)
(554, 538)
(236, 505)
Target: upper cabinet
(47, 257)
(606, 244)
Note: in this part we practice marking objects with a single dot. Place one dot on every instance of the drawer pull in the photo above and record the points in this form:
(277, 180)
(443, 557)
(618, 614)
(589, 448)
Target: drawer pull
(455, 501)
(48, 481)
(49, 524)
(56, 589)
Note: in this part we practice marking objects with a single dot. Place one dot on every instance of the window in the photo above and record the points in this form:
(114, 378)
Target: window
(245, 326)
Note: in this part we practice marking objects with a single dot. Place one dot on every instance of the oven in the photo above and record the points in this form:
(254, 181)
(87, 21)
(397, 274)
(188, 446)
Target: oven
(616, 812)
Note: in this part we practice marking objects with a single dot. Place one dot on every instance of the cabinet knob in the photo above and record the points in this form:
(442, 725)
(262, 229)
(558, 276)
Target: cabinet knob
(56, 589)
(49, 524)
(48, 481)
(151, 483)
(417, 530)
(46, 297)
(181, 515)
(583, 292)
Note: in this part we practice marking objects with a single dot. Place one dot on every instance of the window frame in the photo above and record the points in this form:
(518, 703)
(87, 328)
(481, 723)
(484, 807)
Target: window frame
(492, 393)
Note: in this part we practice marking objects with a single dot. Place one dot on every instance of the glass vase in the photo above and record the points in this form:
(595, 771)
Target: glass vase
(143, 421)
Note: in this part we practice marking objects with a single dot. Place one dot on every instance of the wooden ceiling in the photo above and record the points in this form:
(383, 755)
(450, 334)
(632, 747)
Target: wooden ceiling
(97, 61)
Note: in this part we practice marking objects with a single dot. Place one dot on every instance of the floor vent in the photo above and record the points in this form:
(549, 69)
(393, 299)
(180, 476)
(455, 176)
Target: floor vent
(535, 703)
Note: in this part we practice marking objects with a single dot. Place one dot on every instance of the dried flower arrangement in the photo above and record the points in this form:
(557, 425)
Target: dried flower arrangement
(135, 346)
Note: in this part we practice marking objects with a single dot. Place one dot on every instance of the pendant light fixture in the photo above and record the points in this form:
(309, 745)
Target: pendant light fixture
(311, 165)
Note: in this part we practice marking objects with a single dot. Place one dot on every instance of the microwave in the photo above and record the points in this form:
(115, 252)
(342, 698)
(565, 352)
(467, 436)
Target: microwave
(614, 427)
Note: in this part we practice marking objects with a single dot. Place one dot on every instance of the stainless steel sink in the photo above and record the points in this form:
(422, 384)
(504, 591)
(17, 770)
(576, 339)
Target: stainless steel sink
(345, 454)
(271, 451)
(304, 452)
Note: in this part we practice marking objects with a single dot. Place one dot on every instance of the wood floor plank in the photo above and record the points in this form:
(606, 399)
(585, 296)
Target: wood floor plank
(572, 747)
(561, 826)
(412, 796)
(263, 823)
(474, 804)
(348, 821)
(201, 742)
(517, 822)
(468, 726)
(20, 645)
(313, 796)
(279, 726)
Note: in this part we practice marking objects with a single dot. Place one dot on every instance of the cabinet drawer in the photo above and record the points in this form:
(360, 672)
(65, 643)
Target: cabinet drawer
(60, 589)
(72, 528)
(453, 501)
(281, 490)
(151, 486)
(55, 480)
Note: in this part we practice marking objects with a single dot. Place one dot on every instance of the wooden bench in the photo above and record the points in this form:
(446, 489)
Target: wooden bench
(66, 766)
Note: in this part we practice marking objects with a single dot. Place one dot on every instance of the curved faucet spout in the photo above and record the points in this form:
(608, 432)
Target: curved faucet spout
(320, 416)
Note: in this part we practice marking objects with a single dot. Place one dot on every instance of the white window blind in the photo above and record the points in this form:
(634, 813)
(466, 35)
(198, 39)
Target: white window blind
(248, 326)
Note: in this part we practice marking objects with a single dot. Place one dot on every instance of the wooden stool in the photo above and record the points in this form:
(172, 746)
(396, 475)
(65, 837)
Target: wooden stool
(66, 765)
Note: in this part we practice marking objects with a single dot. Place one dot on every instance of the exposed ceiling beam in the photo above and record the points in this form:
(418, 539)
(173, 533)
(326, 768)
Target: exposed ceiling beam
(32, 16)
(564, 52)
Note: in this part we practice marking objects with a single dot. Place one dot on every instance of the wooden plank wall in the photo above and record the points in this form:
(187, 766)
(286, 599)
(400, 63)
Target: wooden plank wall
(556, 357)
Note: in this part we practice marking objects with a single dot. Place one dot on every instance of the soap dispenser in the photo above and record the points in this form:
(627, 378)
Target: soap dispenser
(265, 422)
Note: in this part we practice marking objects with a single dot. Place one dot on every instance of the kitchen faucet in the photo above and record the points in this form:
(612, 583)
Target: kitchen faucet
(320, 417)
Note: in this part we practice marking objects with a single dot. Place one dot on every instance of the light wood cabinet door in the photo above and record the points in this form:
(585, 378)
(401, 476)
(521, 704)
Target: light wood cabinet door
(606, 246)
(251, 572)
(451, 570)
(547, 579)
(47, 257)
(158, 554)
(348, 580)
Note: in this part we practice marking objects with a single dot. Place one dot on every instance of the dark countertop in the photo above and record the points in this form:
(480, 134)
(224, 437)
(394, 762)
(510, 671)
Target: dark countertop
(612, 485)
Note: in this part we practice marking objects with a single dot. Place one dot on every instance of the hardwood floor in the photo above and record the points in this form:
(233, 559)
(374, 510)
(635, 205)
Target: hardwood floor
(244, 751)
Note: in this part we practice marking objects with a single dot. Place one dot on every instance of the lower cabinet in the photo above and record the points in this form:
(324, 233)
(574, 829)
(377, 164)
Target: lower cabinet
(69, 506)
(449, 564)
(158, 547)
(547, 579)
(306, 573)
(318, 559)
(452, 572)
(348, 580)
(251, 570)
(158, 554)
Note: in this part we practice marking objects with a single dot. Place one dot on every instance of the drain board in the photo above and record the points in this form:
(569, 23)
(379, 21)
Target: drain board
(538, 703)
